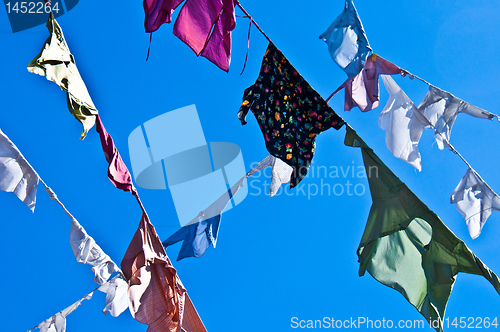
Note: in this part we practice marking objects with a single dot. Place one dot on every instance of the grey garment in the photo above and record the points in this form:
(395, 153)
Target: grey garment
(57, 64)
(403, 124)
(57, 323)
(116, 296)
(441, 109)
(280, 172)
(475, 200)
(16, 174)
(88, 252)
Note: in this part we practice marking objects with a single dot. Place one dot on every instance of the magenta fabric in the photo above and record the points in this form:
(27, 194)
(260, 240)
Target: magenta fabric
(118, 172)
(204, 25)
(158, 12)
(362, 90)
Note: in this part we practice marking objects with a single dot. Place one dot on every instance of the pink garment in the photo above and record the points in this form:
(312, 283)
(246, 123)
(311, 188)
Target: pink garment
(362, 90)
(204, 25)
(158, 12)
(118, 172)
(156, 295)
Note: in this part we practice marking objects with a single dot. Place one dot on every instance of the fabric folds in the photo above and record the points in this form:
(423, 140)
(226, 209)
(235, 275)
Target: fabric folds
(57, 64)
(116, 296)
(347, 41)
(196, 238)
(289, 111)
(475, 200)
(118, 172)
(156, 294)
(403, 124)
(57, 323)
(441, 109)
(204, 25)
(88, 252)
(362, 90)
(406, 246)
(16, 174)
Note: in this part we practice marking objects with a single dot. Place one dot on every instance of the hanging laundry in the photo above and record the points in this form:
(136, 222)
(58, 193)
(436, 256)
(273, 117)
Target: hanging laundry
(156, 294)
(406, 246)
(57, 64)
(347, 41)
(362, 91)
(204, 25)
(403, 123)
(16, 174)
(197, 236)
(118, 172)
(57, 323)
(116, 296)
(441, 109)
(280, 172)
(289, 111)
(88, 252)
(475, 200)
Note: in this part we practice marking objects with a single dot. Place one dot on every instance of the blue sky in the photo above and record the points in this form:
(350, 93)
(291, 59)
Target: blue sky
(276, 258)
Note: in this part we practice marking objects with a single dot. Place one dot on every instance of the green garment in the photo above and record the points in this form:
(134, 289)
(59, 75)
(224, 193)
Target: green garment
(406, 246)
(57, 64)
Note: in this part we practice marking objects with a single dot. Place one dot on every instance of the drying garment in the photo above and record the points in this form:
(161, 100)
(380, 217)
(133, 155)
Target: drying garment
(197, 237)
(289, 111)
(403, 124)
(16, 174)
(280, 172)
(406, 246)
(88, 252)
(204, 25)
(156, 294)
(475, 200)
(116, 296)
(57, 64)
(441, 109)
(118, 172)
(362, 91)
(57, 323)
(347, 41)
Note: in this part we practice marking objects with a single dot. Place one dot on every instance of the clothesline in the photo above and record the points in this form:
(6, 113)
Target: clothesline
(253, 21)
(411, 76)
(83, 297)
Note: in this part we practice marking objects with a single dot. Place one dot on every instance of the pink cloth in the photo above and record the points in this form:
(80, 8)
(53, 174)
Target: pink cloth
(156, 295)
(118, 172)
(362, 90)
(204, 25)
(158, 12)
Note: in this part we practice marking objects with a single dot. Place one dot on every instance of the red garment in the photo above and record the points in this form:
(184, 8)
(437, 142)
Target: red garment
(118, 172)
(156, 295)
(204, 25)
(362, 90)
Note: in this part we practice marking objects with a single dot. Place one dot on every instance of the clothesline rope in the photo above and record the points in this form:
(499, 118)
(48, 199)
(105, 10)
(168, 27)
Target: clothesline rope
(253, 21)
(411, 76)
(83, 297)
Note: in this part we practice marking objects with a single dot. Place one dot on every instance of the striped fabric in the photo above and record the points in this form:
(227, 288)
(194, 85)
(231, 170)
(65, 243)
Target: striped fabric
(156, 294)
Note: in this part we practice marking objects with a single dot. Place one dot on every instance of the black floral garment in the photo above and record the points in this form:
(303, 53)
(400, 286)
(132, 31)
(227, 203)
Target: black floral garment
(289, 111)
